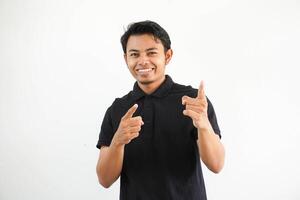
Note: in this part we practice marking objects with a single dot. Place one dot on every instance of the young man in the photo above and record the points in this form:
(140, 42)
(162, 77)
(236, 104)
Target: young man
(155, 136)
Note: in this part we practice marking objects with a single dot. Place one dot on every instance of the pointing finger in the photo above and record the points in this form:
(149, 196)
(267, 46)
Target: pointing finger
(201, 93)
(130, 112)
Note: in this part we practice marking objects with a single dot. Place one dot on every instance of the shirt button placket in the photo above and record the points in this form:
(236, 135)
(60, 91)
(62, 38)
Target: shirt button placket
(148, 117)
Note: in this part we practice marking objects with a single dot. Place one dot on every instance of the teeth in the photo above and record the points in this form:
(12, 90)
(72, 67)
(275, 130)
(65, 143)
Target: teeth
(144, 70)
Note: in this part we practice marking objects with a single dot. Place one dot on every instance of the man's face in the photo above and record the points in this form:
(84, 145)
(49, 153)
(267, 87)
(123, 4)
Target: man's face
(146, 59)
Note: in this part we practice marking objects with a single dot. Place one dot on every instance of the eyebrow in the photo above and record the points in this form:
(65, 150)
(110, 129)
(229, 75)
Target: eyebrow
(135, 50)
(150, 49)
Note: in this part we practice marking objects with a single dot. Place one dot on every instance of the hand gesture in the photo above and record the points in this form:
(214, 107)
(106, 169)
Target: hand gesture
(129, 127)
(196, 108)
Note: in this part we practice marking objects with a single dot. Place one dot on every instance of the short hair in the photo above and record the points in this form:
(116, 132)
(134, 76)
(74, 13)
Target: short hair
(146, 27)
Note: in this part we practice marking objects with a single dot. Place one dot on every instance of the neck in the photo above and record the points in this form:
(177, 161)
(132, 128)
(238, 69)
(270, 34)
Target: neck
(149, 88)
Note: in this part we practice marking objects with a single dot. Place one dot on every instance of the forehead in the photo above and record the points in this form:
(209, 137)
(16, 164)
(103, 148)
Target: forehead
(142, 42)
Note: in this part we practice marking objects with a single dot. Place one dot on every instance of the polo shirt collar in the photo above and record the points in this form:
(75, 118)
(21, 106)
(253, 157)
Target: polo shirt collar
(161, 91)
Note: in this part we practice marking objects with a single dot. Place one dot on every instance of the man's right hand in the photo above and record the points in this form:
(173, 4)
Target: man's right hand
(128, 129)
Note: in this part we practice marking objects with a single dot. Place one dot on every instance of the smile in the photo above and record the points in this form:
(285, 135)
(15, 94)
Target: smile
(144, 71)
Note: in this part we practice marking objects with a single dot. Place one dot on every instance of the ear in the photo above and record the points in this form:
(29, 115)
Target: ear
(125, 58)
(169, 55)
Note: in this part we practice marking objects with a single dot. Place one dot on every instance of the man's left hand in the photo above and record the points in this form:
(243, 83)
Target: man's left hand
(196, 108)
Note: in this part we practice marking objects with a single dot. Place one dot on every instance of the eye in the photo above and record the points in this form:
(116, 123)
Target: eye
(152, 53)
(133, 54)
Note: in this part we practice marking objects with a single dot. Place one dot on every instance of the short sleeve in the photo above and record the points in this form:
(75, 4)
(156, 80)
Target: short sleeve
(106, 132)
(213, 118)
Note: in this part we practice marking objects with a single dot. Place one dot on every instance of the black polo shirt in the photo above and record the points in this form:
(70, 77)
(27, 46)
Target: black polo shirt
(163, 162)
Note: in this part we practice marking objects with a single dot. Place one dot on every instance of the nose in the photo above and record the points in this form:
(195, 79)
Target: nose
(143, 60)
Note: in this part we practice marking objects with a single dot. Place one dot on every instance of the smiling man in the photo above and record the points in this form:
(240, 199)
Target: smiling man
(154, 137)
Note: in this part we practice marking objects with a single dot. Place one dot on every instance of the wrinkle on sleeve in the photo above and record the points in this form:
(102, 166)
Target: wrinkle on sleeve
(213, 118)
(106, 131)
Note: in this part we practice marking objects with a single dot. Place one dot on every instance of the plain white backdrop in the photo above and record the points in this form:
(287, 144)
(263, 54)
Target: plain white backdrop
(61, 66)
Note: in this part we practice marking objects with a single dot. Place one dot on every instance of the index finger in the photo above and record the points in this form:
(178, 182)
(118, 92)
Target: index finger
(130, 112)
(201, 93)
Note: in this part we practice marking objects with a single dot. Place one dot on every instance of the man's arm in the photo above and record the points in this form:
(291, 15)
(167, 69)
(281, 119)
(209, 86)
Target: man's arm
(210, 148)
(110, 160)
(109, 164)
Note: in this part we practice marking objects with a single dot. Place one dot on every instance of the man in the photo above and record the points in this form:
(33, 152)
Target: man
(155, 136)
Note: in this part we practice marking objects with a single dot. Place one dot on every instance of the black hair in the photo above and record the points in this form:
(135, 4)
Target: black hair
(146, 27)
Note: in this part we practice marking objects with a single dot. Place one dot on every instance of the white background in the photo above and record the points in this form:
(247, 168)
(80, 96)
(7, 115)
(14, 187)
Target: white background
(61, 66)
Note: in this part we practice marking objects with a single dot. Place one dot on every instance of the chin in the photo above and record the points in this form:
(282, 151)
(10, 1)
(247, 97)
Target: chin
(145, 82)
